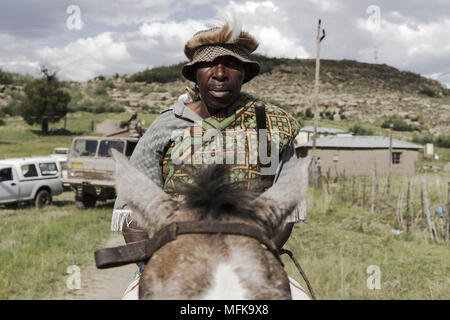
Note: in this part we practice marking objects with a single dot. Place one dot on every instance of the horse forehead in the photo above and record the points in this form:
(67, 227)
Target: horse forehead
(226, 284)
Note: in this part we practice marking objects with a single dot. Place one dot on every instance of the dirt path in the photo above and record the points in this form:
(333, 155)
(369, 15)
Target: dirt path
(106, 284)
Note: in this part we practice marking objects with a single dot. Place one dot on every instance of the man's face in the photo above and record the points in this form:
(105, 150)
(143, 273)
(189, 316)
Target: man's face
(220, 81)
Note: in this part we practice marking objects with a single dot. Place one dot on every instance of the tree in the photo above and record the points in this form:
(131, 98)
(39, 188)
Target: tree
(44, 101)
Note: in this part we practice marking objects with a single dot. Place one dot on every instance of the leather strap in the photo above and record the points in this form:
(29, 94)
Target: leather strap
(143, 250)
(260, 113)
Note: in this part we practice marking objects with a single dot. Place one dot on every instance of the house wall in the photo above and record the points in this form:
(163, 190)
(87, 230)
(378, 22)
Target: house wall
(362, 161)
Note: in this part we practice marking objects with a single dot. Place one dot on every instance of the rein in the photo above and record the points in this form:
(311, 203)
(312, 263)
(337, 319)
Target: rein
(143, 250)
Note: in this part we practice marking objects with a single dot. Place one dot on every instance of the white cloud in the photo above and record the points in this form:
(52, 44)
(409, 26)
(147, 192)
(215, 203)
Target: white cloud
(270, 26)
(404, 42)
(153, 44)
(85, 58)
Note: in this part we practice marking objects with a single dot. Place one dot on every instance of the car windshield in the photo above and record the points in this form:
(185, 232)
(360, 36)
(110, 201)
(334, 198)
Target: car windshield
(85, 148)
(107, 145)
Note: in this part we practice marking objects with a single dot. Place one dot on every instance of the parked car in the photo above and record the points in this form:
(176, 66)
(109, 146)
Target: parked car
(34, 179)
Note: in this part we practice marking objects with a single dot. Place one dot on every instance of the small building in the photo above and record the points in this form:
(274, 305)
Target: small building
(306, 134)
(358, 155)
(429, 150)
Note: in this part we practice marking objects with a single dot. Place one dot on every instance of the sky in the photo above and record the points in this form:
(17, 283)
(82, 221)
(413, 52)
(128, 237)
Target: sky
(86, 38)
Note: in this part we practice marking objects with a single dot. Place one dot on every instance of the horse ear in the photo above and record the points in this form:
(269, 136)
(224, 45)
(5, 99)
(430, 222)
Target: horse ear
(290, 188)
(140, 193)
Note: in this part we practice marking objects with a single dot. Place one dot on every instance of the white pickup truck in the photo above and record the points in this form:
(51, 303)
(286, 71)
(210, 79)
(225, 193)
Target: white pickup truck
(34, 179)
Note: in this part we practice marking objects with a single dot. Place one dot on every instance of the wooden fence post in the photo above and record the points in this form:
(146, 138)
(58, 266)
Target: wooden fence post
(428, 213)
(343, 187)
(363, 200)
(372, 196)
(448, 212)
(353, 190)
(408, 208)
(422, 218)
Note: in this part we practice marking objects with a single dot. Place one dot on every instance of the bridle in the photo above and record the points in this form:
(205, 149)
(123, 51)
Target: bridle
(143, 250)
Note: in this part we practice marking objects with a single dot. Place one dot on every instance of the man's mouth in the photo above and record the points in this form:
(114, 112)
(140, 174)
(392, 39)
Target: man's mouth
(219, 92)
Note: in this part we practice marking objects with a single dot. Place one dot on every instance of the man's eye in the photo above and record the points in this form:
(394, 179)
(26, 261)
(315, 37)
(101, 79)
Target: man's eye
(232, 64)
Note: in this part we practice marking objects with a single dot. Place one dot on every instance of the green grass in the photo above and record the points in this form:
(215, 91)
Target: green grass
(37, 246)
(338, 243)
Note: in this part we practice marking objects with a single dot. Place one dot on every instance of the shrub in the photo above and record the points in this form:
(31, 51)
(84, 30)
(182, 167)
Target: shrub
(161, 74)
(428, 91)
(398, 124)
(5, 77)
(422, 139)
(309, 114)
(443, 141)
(100, 90)
(360, 130)
(13, 107)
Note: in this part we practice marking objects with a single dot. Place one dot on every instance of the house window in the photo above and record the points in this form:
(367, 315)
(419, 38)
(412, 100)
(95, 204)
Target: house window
(335, 158)
(396, 157)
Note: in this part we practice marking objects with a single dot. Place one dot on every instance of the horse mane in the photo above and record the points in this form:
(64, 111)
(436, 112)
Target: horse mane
(216, 195)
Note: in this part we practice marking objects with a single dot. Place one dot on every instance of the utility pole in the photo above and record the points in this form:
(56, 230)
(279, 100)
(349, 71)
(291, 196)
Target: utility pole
(388, 204)
(316, 90)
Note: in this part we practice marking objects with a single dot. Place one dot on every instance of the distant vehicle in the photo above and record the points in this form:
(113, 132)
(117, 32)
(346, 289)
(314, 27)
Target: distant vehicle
(61, 155)
(62, 152)
(90, 166)
(34, 179)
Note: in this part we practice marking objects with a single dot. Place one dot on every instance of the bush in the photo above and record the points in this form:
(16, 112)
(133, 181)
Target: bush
(422, 139)
(360, 130)
(309, 114)
(162, 74)
(13, 107)
(443, 141)
(398, 124)
(100, 90)
(5, 77)
(428, 92)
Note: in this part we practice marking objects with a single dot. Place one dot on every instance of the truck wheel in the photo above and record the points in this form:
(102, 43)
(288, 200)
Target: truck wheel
(43, 198)
(86, 201)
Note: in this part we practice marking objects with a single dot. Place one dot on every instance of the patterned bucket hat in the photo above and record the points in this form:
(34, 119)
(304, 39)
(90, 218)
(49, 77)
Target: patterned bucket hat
(207, 45)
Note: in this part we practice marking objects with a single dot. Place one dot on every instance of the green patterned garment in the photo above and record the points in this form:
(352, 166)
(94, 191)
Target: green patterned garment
(233, 141)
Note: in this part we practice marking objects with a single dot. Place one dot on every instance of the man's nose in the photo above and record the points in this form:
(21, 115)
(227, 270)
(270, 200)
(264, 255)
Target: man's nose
(220, 73)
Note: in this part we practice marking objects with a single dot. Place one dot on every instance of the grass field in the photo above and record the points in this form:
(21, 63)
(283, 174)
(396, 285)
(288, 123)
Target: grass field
(37, 246)
(335, 246)
(338, 243)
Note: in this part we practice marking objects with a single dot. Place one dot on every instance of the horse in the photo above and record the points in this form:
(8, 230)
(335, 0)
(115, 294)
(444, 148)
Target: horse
(223, 265)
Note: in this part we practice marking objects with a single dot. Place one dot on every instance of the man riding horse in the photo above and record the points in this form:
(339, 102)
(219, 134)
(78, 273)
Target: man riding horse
(219, 64)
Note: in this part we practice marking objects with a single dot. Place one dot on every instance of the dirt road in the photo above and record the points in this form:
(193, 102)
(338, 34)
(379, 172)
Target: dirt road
(106, 284)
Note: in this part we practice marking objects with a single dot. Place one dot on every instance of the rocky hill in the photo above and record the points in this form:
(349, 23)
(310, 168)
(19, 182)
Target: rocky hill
(349, 90)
